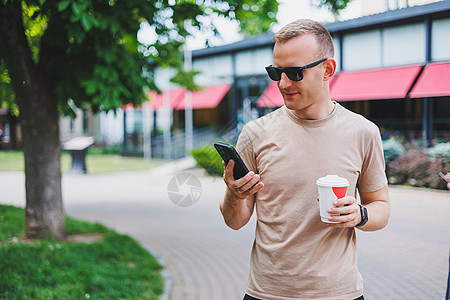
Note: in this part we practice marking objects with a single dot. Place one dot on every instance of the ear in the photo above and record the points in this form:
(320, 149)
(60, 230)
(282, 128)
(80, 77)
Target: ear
(329, 69)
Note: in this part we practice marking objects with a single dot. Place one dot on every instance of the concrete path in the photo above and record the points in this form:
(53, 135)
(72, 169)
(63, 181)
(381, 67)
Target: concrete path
(409, 259)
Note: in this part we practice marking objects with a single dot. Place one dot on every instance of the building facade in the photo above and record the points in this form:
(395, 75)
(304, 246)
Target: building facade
(392, 67)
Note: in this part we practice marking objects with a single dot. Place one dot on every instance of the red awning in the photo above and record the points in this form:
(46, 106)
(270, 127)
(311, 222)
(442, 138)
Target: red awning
(208, 97)
(271, 97)
(433, 82)
(173, 97)
(386, 83)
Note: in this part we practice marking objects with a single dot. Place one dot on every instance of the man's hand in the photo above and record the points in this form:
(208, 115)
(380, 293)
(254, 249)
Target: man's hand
(348, 212)
(376, 203)
(238, 204)
(244, 187)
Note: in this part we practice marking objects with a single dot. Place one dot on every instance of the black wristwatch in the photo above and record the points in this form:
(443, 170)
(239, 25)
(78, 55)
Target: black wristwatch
(364, 216)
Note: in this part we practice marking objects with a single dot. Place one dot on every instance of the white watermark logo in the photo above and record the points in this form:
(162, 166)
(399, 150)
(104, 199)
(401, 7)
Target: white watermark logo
(184, 189)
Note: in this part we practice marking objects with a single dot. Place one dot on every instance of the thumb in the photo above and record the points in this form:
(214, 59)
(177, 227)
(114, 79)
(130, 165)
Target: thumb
(229, 166)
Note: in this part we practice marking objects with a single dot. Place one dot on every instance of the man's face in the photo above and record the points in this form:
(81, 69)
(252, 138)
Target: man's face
(299, 51)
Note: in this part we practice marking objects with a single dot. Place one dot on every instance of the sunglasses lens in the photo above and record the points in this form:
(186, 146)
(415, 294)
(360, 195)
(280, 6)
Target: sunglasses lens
(274, 74)
(294, 74)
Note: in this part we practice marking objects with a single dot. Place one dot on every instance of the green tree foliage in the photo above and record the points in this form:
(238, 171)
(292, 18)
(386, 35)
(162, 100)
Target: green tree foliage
(90, 51)
(7, 96)
(256, 16)
(56, 53)
(334, 6)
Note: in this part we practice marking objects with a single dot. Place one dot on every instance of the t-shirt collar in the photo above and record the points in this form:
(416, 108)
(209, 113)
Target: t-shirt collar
(311, 123)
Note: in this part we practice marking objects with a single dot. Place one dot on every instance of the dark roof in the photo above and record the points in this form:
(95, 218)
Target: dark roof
(393, 17)
(258, 41)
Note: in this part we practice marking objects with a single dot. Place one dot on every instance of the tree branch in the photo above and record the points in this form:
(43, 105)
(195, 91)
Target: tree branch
(49, 51)
(15, 49)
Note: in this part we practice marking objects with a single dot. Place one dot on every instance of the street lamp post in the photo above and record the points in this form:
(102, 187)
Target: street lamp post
(189, 135)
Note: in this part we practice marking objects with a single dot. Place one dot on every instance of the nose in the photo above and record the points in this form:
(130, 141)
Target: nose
(284, 81)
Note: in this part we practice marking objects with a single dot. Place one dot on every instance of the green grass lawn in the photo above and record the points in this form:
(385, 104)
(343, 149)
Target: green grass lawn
(113, 267)
(96, 162)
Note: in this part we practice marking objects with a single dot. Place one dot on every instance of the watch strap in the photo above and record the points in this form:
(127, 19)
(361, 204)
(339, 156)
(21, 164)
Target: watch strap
(364, 216)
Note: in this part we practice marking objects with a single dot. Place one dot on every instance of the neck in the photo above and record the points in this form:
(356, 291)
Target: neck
(317, 111)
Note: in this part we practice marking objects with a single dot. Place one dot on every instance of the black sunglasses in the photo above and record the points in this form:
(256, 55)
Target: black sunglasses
(293, 73)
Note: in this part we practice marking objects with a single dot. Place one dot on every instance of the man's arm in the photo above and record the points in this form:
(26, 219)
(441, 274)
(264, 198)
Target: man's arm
(239, 201)
(378, 210)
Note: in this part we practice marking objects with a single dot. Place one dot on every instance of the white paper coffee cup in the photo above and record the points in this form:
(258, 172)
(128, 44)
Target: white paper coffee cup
(331, 188)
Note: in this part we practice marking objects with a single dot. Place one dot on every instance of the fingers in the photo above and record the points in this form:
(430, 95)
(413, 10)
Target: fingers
(228, 169)
(247, 182)
(346, 212)
(243, 192)
(242, 187)
(247, 185)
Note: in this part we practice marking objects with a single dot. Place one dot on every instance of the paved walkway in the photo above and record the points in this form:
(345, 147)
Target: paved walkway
(206, 260)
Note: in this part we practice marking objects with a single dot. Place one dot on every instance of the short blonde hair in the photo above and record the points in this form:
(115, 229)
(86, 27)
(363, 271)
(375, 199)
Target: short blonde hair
(306, 26)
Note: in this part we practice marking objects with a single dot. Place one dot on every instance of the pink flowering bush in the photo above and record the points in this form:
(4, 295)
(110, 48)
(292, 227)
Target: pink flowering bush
(417, 168)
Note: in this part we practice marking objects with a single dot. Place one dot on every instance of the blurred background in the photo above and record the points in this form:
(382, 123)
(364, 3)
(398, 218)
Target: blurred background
(145, 87)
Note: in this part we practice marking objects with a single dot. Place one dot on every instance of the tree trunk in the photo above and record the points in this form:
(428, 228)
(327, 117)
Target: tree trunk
(41, 145)
(40, 128)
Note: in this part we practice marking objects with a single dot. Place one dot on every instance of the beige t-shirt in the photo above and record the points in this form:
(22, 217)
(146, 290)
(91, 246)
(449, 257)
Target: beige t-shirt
(295, 255)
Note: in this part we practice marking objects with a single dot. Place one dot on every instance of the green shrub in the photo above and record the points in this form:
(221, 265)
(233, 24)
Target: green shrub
(393, 148)
(99, 150)
(208, 159)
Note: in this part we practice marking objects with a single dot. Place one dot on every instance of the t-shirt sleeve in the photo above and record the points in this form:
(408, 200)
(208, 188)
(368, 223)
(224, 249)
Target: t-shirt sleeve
(245, 148)
(373, 175)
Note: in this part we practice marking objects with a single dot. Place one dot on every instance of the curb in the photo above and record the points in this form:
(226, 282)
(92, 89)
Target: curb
(168, 281)
(415, 188)
(174, 166)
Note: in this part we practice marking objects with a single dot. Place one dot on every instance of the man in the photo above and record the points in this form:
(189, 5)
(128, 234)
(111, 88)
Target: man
(295, 255)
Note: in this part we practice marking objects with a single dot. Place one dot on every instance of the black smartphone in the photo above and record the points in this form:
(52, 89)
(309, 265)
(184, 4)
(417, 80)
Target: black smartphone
(443, 177)
(228, 152)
